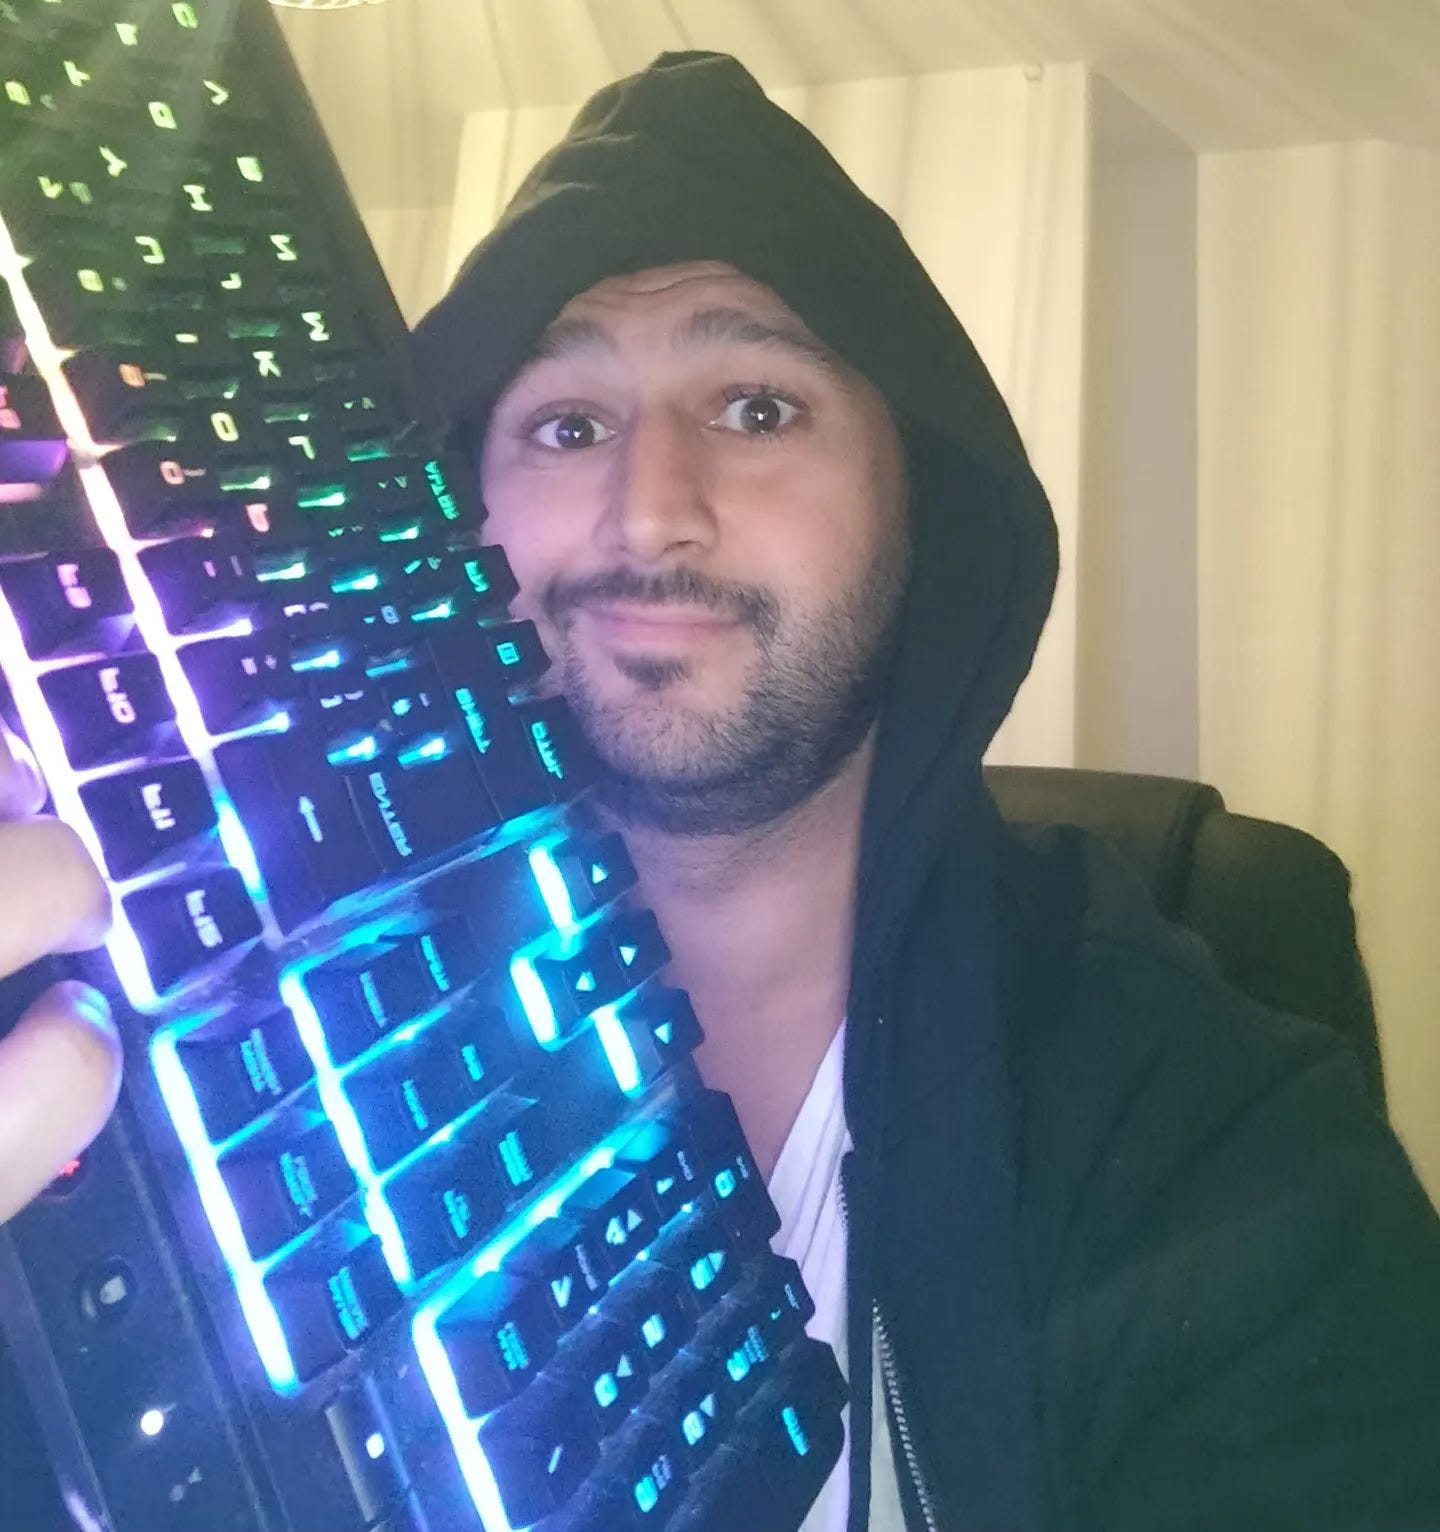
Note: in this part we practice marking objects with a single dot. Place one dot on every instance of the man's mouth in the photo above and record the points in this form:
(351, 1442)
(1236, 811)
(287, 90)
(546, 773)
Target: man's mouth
(649, 622)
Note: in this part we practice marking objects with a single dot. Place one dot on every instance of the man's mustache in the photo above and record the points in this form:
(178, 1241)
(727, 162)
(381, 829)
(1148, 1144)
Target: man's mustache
(671, 587)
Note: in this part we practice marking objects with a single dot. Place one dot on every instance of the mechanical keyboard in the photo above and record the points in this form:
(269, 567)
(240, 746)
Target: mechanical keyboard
(415, 1213)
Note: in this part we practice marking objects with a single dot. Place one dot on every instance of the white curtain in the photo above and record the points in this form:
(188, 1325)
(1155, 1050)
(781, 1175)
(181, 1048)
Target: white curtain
(1320, 545)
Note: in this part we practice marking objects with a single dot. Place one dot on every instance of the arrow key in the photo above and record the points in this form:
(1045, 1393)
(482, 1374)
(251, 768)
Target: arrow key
(300, 819)
(616, 1206)
(564, 1259)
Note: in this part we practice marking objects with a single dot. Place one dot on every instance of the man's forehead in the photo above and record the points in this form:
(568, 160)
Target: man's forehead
(685, 306)
(677, 283)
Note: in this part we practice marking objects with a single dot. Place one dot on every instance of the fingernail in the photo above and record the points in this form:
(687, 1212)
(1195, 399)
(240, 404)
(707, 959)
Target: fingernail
(91, 1004)
(24, 762)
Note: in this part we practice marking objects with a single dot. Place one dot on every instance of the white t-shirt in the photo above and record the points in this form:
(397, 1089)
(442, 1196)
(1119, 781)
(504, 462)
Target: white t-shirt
(805, 1187)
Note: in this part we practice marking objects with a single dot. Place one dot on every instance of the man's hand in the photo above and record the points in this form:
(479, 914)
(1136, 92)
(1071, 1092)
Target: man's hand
(60, 1065)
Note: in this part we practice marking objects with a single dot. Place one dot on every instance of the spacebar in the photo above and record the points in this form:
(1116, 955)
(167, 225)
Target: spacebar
(300, 820)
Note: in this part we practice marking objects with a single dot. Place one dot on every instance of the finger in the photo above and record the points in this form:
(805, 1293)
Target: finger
(21, 789)
(55, 900)
(59, 1073)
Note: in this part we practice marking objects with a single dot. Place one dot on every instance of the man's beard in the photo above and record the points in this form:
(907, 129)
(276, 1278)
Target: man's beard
(814, 689)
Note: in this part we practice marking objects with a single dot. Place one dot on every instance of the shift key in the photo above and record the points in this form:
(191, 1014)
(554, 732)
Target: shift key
(301, 821)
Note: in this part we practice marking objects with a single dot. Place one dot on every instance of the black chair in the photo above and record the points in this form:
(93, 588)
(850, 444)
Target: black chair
(1271, 902)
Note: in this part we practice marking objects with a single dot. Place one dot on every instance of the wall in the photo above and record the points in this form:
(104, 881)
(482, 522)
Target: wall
(1319, 519)
(1137, 670)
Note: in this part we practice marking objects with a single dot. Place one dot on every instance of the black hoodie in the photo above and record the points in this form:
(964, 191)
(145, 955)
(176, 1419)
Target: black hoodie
(1143, 1257)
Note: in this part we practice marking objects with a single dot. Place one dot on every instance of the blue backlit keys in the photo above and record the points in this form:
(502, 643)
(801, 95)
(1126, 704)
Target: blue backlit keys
(498, 1336)
(565, 1259)
(540, 1447)
(363, 994)
(284, 1180)
(240, 1067)
(332, 1295)
(410, 1092)
(615, 1208)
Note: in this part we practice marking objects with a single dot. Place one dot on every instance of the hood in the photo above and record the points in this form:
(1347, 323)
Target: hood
(688, 160)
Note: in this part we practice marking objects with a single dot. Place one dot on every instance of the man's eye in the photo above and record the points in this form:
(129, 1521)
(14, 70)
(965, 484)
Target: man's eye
(757, 412)
(570, 432)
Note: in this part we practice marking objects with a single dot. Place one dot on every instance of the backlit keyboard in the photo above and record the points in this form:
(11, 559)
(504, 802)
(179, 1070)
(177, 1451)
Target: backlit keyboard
(415, 1213)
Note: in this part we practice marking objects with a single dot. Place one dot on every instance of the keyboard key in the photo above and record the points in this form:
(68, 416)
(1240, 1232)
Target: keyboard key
(614, 1206)
(366, 993)
(730, 1167)
(781, 1452)
(33, 447)
(412, 1091)
(540, 1448)
(508, 764)
(239, 682)
(691, 1409)
(661, 1155)
(411, 810)
(763, 1315)
(450, 479)
(239, 1068)
(519, 657)
(599, 1503)
(595, 870)
(114, 710)
(500, 890)
(331, 1296)
(449, 946)
(612, 1367)
(122, 389)
(69, 603)
(189, 922)
(164, 487)
(578, 974)
(200, 582)
(704, 1251)
(646, 1468)
(300, 821)
(145, 815)
(284, 1183)
(563, 1257)
(497, 1335)
(368, 1448)
(557, 744)
(449, 1199)
(639, 948)
(648, 1309)
(662, 1028)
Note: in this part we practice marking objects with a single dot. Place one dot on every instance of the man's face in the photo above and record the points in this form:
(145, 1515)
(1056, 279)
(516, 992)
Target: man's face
(705, 511)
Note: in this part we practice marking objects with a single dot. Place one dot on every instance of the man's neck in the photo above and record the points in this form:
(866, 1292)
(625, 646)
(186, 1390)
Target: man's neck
(759, 928)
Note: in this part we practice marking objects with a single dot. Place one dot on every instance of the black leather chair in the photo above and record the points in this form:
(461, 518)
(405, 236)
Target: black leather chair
(1271, 902)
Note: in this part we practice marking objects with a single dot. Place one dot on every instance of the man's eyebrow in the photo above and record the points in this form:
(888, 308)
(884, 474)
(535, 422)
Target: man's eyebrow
(570, 337)
(716, 325)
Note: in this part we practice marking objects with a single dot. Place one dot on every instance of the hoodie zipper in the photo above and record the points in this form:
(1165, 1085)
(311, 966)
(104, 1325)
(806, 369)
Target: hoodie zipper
(890, 1378)
(890, 1382)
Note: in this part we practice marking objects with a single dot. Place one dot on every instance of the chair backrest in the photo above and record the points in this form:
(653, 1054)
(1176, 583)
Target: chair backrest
(1271, 902)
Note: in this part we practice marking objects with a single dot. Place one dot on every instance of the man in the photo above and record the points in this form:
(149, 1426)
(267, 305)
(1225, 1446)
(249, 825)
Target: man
(1130, 1254)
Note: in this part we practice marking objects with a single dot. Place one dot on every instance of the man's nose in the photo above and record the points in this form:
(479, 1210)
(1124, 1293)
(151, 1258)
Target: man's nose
(658, 497)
